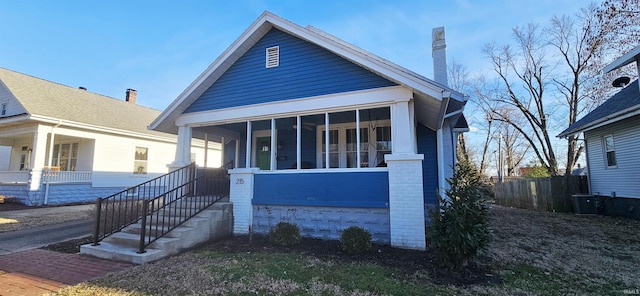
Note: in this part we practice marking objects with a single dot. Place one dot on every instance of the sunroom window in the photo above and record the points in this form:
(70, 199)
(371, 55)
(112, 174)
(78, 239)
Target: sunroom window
(65, 156)
(368, 133)
(346, 139)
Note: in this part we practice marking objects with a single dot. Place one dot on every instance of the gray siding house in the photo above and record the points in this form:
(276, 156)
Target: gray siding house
(612, 139)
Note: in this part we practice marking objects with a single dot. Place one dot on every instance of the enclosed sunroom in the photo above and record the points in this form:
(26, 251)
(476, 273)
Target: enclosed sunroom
(321, 134)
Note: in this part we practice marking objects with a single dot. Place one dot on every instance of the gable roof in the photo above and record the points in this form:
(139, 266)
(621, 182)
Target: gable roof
(622, 105)
(48, 101)
(427, 91)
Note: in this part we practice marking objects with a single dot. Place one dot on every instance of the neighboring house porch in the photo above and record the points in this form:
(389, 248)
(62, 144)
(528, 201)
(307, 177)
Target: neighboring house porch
(71, 145)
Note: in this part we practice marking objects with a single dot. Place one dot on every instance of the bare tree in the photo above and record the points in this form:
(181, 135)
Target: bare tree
(524, 74)
(617, 27)
(458, 78)
(549, 74)
(483, 91)
(571, 41)
(515, 147)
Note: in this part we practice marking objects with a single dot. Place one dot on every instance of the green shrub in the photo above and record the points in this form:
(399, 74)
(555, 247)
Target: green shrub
(459, 227)
(285, 234)
(355, 240)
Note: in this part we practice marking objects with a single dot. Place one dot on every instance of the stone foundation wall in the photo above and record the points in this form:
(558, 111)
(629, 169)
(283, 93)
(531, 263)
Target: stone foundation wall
(323, 222)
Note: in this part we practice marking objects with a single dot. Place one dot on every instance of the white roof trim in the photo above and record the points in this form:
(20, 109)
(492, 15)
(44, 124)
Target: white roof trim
(265, 22)
(624, 60)
(620, 115)
(102, 129)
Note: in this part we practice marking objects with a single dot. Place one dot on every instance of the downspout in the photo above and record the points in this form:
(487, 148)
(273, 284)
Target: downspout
(440, 149)
(49, 160)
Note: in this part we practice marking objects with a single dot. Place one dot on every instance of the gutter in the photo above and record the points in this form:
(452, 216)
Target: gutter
(102, 129)
(632, 111)
(446, 96)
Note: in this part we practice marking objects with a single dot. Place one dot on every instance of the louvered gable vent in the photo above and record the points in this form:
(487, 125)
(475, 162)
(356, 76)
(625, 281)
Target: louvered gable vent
(273, 56)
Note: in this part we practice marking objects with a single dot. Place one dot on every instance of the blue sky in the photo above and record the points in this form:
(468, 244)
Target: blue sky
(160, 47)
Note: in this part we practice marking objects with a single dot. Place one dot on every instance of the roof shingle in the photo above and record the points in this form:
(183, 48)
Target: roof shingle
(45, 98)
(628, 99)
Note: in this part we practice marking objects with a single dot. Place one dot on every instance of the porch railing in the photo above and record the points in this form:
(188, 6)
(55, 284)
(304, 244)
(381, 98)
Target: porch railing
(14, 177)
(48, 176)
(161, 204)
(67, 176)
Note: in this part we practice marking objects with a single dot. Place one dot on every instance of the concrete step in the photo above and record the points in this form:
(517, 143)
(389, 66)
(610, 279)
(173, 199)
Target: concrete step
(133, 240)
(120, 253)
(213, 223)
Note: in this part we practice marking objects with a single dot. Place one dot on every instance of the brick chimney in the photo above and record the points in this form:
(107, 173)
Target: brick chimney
(439, 55)
(131, 95)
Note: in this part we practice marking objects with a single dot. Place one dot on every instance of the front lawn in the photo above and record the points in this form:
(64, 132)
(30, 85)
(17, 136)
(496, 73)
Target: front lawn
(533, 253)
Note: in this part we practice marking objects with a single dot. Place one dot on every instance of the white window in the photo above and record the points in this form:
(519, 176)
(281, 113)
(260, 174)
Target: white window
(273, 57)
(25, 156)
(140, 160)
(65, 156)
(375, 142)
(610, 151)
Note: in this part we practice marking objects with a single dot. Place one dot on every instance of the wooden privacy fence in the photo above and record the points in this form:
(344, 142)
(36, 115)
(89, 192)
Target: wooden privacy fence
(552, 194)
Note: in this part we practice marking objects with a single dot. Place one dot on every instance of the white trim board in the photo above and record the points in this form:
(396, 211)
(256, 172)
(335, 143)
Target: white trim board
(305, 106)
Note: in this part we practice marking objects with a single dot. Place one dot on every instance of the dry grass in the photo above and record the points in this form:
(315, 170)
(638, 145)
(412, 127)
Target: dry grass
(603, 248)
(534, 253)
(31, 221)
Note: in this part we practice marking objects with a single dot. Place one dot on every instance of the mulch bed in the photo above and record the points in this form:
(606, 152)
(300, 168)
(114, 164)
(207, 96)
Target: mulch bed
(409, 262)
(10, 204)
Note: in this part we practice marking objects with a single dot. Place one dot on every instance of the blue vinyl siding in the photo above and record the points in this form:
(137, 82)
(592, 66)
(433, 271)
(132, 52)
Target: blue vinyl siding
(357, 189)
(305, 70)
(427, 146)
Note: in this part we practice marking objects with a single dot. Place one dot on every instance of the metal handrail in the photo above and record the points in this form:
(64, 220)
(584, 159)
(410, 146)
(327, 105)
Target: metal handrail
(161, 204)
(167, 213)
(117, 211)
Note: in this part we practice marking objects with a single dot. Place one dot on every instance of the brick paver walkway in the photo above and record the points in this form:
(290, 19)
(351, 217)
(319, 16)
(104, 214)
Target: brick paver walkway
(37, 271)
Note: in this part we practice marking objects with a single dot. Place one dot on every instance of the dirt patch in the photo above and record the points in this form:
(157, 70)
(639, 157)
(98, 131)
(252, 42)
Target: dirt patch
(605, 248)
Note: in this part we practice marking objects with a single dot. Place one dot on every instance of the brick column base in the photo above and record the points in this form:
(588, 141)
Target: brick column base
(241, 196)
(406, 201)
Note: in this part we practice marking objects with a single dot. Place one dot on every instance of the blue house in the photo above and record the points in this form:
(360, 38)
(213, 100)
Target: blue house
(322, 134)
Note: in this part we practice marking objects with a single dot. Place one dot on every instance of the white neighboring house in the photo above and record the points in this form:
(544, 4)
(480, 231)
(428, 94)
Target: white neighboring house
(612, 138)
(71, 145)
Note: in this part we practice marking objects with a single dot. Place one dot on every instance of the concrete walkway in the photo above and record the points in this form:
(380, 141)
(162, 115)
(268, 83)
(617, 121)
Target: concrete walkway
(37, 271)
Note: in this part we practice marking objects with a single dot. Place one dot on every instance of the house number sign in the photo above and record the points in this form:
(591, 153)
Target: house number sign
(240, 181)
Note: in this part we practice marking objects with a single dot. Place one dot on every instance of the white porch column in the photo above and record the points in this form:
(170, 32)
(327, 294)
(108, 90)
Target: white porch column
(241, 196)
(406, 201)
(38, 156)
(403, 135)
(183, 149)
